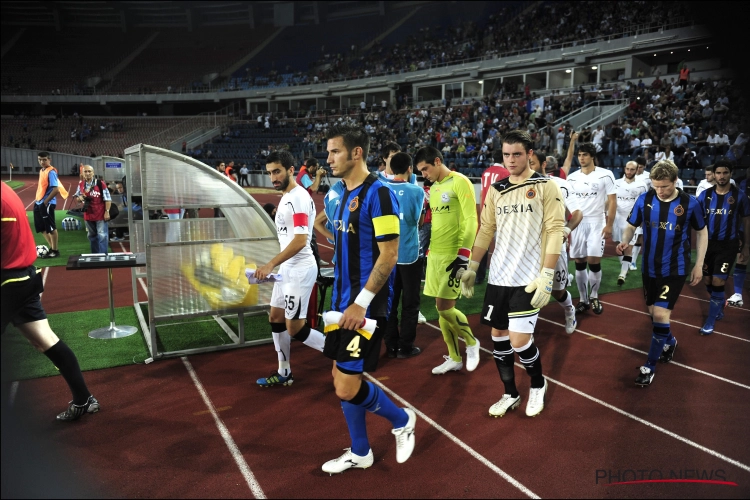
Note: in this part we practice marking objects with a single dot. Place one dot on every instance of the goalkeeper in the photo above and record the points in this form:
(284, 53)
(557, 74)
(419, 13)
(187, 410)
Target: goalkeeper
(454, 225)
(527, 211)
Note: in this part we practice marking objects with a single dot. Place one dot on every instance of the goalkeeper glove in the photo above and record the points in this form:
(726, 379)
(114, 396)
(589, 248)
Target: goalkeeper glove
(566, 232)
(459, 264)
(543, 287)
(468, 278)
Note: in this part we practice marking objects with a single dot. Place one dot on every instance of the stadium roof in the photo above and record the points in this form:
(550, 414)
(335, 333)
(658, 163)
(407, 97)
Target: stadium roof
(186, 14)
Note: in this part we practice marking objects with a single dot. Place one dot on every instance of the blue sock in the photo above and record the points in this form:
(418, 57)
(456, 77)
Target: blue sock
(717, 305)
(355, 419)
(658, 339)
(739, 277)
(380, 404)
(710, 289)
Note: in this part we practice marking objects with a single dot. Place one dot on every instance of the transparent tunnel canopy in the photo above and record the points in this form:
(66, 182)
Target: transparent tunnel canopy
(195, 267)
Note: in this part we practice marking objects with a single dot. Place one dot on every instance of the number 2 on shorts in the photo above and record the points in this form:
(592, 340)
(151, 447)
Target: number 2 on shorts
(664, 292)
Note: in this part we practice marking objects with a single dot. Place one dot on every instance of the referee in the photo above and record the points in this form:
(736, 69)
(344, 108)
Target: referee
(21, 304)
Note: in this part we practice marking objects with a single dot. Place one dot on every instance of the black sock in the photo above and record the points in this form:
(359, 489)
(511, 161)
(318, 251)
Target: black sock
(504, 356)
(531, 360)
(303, 333)
(65, 361)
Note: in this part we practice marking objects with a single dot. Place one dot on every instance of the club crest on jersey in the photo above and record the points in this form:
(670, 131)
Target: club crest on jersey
(354, 204)
(530, 194)
(730, 200)
(678, 210)
(445, 197)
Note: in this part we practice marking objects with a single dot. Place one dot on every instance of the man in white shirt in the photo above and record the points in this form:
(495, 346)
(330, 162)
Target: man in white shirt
(594, 188)
(709, 181)
(628, 188)
(291, 296)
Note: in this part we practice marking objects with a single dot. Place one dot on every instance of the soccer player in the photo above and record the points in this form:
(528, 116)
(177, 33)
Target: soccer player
(491, 175)
(527, 213)
(595, 189)
(740, 268)
(22, 305)
(541, 164)
(366, 230)
(666, 215)
(454, 226)
(727, 212)
(628, 188)
(46, 201)
(708, 181)
(410, 197)
(291, 296)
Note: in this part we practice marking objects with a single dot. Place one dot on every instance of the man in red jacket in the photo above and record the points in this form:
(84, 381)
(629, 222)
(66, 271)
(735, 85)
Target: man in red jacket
(22, 306)
(96, 200)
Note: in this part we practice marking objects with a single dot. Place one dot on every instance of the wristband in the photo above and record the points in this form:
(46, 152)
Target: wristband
(364, 298)
(464, 253)
(566, 231)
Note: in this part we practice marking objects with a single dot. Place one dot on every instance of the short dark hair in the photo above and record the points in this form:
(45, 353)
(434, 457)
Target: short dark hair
(353, 136)
(541, 158)
(43, 154)
(269, 208)
(311, 162)
(587, 148)
(400, 163)
(497, 156)
(284, 157)
(389, 147)
(428, 154)
(640, 160)
(724, 163)
(519, 137)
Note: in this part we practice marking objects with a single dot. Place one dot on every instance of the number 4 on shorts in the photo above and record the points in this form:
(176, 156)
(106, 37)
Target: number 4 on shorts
(353, 347)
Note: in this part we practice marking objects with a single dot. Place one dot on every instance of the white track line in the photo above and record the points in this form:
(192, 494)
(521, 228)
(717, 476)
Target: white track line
(252, 483)
(630, 415)
(675, 321)
(324, 246)
(484, 461)
(13, 392)
(717, 377)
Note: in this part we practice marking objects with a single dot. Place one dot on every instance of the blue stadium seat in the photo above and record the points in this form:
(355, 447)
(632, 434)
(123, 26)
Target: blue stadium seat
(607, 161)
(617, 172)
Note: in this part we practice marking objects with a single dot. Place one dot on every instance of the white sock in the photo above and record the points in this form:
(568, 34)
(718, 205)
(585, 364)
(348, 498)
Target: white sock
(636, 251)
(316, 340)
(624, 268)
(567, 304)
(596, 279)
(582, 280)
(282, 341)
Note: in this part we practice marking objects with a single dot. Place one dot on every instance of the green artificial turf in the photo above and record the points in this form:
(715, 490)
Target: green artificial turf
(14, 184)
(68, 242)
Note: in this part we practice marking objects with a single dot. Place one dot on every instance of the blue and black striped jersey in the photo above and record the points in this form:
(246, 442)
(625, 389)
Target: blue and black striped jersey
(666, 232)
(724, 212)
(365, 216)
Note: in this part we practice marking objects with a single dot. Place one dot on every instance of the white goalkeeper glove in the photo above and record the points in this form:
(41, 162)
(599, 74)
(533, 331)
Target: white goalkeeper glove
(543, 287)
(468, 278)
(566, 232)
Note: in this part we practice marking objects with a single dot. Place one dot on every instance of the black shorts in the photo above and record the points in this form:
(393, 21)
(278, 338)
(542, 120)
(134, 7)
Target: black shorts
(509, 308)
(20, 297)
(720, 256)
(352, 352)
(662, 292)
(44, 218)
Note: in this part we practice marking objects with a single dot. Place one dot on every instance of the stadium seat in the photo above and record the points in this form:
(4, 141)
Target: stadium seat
(687, 173)
(617, 172)
(607, 161)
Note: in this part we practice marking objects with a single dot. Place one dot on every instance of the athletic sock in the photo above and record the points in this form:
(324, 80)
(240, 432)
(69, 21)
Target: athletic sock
(658, 339)
(582, 281)
(595, 278)
(529, 356)
(65, 361)
(567, 304)
(740, 270)
(450, 336)
(504, 355)
(355, 420)
(636, 251)
(311, 338)
(377, 402)
(282, 342)
(717, 303)
(625, 265)
(461, 325)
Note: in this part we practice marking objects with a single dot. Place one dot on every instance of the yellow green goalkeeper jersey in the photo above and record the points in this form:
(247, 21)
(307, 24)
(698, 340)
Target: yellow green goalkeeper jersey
(454, 214)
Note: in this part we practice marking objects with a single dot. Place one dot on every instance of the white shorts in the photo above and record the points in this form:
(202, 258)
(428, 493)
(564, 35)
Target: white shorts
(293, 292)
(620, 224)
(586, 240)
(561, 271)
